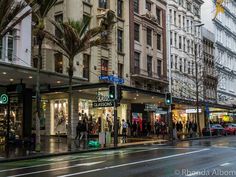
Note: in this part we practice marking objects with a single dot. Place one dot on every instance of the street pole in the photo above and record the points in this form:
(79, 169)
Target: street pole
(170, 122)
(115, 118)
(197, 91)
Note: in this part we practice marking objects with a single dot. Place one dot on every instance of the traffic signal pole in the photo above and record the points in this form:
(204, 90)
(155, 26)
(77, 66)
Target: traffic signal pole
(115, 118)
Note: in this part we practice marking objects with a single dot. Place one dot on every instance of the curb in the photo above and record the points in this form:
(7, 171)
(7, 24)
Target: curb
(78, 152)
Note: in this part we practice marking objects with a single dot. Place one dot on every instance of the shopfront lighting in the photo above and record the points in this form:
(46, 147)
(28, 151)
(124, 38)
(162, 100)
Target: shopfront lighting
(55, 105)
(58, 82)
(30, 77)
(152, 97)
(11, 80)
(4, 73)
(135, 98)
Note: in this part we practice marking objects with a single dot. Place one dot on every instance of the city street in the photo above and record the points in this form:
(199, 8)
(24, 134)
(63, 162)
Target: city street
(208, 157)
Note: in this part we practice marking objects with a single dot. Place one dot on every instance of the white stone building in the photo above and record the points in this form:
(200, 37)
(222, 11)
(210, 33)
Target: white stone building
(184, 19)
(224, 28)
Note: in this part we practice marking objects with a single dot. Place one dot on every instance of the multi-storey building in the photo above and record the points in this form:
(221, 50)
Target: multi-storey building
(148, 45)
(224, 28)
(98, 61)
(103, 60)
(184, 18)
(15, 67)
(209, 73)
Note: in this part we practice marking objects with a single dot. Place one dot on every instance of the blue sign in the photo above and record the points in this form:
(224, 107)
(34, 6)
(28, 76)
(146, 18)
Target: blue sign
(207, 110)
(112, 79)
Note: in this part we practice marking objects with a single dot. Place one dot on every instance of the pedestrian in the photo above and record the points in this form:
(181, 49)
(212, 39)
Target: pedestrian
(78, 130)
(134, 129)
(124, 131)
(84, 130)
(163, 129)
(157, 128)
(149, 129)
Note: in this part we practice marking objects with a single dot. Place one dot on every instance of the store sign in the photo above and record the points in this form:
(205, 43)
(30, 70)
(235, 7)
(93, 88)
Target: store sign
(190, 111)
(100, 97)
(103, 104)
(151, 107)
(3, 99)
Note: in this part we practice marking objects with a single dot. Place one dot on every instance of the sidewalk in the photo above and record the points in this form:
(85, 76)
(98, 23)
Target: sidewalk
(54, 146)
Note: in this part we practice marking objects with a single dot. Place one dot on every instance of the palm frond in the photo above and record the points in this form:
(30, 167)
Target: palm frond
(11, 13)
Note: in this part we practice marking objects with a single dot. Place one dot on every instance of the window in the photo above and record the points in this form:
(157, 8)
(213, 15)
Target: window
(59, 19)
(103, 4)
(180, 42)
(158, 13)
(175, 39)
(136, 31)
(136, 6)
(192, 68)
(149, 66)
(120, 8)
(120, 70)
(185, 65)
(158, 41)
(171, 61)
(86, 61)
(188, 6)
(148, 5)
(188, 46)
(175, 18)
(176, 62)
(136, 62)
(1, 49)
(188, 67)
(35, 63)
(149, 36)
(184, 47)
(180, 64)
(10, 46)
(180, 21)
(104, 67)
(120, 41)
(58, 59)
(159, 70)
(171, 38)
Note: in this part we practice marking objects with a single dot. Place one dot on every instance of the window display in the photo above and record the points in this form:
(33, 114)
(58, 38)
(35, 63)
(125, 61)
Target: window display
(60, 116)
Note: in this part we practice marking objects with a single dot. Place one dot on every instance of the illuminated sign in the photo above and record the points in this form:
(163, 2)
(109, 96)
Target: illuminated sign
(3, 99)
(189, 111)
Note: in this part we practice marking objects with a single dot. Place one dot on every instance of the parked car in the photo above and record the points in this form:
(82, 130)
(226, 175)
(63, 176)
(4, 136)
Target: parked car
(216, 129)
(230, 128)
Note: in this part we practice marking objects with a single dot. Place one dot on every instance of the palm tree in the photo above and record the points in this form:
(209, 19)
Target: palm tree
(11, 13)
(77, 38)
(40, 11)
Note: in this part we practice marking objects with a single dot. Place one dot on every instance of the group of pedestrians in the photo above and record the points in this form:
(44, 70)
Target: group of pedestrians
(82, 130)
(180, 128)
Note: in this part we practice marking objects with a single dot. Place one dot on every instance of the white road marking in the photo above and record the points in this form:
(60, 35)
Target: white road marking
(89, 158)
(133, 163)
(55, 169)
(225, 164)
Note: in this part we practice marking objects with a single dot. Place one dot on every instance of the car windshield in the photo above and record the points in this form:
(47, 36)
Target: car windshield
(216, 126)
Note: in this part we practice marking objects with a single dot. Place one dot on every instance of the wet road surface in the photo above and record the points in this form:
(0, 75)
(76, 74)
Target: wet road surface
(210, 157)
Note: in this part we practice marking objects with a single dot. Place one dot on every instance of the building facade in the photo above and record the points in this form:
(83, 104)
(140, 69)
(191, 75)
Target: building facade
(224, 28)
(209, 73)
(184, 18)
(148, 53)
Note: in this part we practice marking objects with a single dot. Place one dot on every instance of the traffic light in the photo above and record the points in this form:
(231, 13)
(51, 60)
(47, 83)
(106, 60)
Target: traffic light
(168, 99)
(112, 92)
(119, 93)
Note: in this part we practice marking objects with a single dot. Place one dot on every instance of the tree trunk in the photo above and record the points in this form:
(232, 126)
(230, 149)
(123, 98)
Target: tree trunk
(70, 72)
(38, 99)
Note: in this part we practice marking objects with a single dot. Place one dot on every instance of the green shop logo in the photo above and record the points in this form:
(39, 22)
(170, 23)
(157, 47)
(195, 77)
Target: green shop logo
(3, 99)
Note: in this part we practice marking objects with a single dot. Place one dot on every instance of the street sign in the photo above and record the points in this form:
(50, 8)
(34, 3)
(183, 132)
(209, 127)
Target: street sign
(207, 111)
(113, 79)
(103, 104)
(3, 99)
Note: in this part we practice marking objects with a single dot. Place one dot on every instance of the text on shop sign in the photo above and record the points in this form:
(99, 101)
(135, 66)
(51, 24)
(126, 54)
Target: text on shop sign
(103, 104)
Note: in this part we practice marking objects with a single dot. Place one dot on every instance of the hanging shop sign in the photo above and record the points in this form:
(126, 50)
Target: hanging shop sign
(103, 104)
(102, 101)
(190, 111)
(112, 79)
(3, 99)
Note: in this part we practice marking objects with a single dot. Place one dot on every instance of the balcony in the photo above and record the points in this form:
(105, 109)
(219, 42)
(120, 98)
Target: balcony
(148, 75)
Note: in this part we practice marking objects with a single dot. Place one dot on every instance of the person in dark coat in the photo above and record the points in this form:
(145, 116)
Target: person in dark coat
(78, 130)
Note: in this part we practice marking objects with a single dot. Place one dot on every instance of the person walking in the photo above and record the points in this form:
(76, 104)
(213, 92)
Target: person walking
(124, 131)
(84, 130)
(78, 130)
(134, 129)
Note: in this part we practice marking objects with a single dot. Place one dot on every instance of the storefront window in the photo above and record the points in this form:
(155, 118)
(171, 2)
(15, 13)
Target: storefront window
(60, 116)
